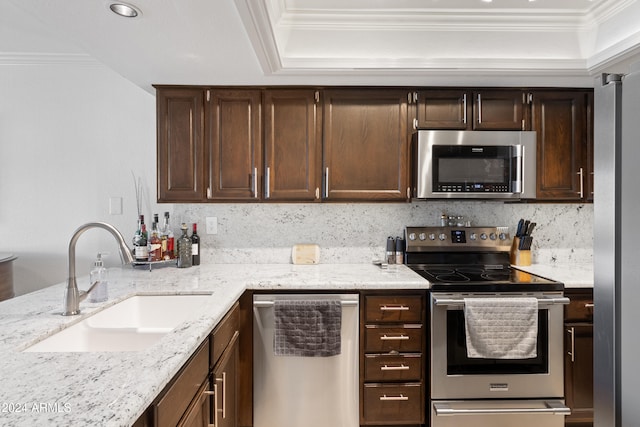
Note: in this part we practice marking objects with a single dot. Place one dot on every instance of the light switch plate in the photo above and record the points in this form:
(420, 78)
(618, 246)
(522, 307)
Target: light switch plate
(212, 225)
(115, 205)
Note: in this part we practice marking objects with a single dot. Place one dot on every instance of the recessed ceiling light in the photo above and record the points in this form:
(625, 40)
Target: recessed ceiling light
(124, 9)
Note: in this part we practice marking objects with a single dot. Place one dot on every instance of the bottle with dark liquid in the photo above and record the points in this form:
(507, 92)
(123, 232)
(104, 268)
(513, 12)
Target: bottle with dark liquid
(195, 245)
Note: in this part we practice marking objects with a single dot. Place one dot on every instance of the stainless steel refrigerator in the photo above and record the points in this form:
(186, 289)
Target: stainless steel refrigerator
(616, 253)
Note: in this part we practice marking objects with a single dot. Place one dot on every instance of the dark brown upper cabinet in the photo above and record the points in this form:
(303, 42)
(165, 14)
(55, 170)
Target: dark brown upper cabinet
(292, 145)
(234, 144)
(443, 109)
(499, 110)
(180, 145)
(366, 142)
(563, 139)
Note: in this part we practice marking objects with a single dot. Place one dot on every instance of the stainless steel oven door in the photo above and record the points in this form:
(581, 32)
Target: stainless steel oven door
(499, 413)
(454, 376)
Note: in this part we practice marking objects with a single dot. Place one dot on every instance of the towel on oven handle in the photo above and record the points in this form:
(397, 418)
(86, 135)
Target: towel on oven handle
(501, 328)
(308, 328)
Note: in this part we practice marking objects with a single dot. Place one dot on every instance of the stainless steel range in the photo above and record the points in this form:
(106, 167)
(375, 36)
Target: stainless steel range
(469, 266)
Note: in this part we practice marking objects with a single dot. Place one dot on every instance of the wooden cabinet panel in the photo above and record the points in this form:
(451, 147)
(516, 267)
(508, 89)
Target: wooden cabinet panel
(180, 145)
(234, 144)
(443, 109)
(293, 141)
(578, 366)
(394, 308)
(224, 332)
(559, 118)
(175, 401)
(394, 404)
(391, 367)
(225, 377)
(365, 145)
(499, 110)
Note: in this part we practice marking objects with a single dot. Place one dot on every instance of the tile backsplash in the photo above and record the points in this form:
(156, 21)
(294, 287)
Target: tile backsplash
(357, 232)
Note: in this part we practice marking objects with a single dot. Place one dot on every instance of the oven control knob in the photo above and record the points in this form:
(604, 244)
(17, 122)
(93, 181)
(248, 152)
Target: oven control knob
(483, 236)
(502, 236)
(473, 236)
(493, 236)
(442, 236)
(432, 236)
(412, 236)
(422, 236)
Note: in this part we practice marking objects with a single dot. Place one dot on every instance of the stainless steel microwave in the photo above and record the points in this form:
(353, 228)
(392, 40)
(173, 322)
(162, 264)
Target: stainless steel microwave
(474, 164)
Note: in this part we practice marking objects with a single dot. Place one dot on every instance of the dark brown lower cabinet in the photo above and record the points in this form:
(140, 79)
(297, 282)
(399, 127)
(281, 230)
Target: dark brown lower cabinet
(205, 390)
(578, 374)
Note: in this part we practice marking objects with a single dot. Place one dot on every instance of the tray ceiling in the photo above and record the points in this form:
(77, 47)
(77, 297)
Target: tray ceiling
(552, 42)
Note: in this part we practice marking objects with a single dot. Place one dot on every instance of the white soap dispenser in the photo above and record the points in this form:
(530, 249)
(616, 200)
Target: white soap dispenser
(99, 274)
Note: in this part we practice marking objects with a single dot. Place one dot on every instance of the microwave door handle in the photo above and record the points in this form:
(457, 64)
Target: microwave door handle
(518, 158)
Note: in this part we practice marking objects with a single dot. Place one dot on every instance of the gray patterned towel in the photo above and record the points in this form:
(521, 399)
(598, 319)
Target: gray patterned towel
(309, 328)
(501, 328)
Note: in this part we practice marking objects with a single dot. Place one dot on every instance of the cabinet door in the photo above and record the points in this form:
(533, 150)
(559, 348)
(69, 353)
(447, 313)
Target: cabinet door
(559, 118)
(293, 139)
(180, 145)
(199, 413)
(234, 142)
(579, 371)
(499, 110)
(443, 109)
(365, 145)
(225, 377)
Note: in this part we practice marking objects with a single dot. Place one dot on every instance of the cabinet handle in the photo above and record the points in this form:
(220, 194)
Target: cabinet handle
(581, 174)
(415, 97)
(387, 398)
(215, 405)
(212, 393)
(267, 183)
(588, 305)
(479, 108)
(464, 108)
(415, 124)
(254, 177)
(394, 338)
(208, 192)
(317, 193)
(394, 308)
(572, 333)
(402, 367)
(326, 183)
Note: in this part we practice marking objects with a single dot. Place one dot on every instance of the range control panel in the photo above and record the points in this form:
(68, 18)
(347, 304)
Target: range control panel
(446, 239)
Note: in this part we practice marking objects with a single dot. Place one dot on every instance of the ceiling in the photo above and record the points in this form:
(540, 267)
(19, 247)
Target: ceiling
(322, 42)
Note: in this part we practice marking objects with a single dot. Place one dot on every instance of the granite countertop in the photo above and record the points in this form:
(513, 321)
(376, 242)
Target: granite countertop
(574, 275)
(114, 388)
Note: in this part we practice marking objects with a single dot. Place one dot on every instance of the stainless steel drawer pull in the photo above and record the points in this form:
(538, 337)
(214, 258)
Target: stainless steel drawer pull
(394, 338)
(387, 398)
(394, 308)
(588, 305)
(394, 368)
(572, 351)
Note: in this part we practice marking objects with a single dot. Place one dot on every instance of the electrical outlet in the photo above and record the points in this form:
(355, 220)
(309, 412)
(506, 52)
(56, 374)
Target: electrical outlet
(115, 205)
(212, 225)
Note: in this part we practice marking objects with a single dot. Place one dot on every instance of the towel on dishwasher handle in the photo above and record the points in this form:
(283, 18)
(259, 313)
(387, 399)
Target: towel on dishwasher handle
(308, 328)
(501, 328)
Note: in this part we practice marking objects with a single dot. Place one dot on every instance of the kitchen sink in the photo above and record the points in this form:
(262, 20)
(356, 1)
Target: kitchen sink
(133, 324)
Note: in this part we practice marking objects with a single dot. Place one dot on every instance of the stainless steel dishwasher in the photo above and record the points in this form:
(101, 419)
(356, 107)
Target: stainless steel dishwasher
(293, 391)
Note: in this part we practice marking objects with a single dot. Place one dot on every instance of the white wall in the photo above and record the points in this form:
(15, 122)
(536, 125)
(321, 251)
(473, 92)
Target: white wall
(70, 137)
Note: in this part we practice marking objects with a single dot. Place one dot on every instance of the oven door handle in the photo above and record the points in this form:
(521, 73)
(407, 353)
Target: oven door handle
(459, 302)
(549, 407)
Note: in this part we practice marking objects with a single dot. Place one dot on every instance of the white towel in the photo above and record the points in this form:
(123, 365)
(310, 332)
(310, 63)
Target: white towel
(501, 328)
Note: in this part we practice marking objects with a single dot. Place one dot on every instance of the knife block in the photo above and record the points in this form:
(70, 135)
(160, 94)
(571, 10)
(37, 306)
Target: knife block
(517, 256)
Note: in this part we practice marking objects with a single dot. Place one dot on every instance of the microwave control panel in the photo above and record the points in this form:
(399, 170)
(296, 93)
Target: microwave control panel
(473, 188)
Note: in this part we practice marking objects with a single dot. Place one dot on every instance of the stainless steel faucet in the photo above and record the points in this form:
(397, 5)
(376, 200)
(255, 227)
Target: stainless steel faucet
(73, 296)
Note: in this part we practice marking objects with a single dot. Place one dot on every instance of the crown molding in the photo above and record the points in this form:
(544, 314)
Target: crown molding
(18, 58)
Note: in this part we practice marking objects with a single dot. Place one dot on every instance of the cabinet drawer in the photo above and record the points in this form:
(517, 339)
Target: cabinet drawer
(176, 400)
(401, 339)
(580, 309)
(383, 367)
(223, 333)
(390, 308)
(393, 404)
